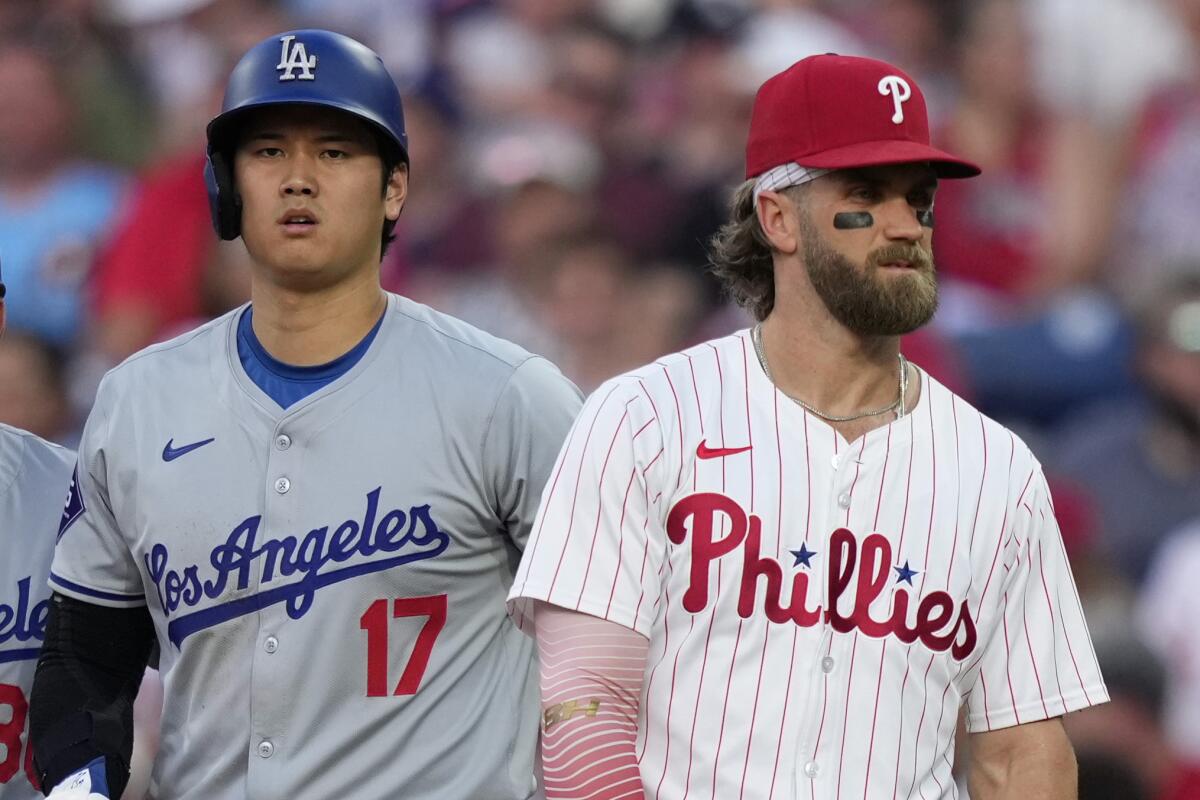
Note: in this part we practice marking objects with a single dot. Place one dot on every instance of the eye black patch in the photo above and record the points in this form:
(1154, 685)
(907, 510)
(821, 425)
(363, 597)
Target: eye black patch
(852, 220)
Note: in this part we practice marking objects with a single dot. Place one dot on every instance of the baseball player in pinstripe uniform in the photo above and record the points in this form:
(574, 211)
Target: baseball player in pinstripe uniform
(316, 503)
(782, 563)
(33, 478)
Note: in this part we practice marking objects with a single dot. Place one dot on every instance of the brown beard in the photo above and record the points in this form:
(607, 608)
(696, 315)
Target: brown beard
(859, 299)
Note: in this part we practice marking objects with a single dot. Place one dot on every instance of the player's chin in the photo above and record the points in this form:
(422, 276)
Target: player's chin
(295, 258)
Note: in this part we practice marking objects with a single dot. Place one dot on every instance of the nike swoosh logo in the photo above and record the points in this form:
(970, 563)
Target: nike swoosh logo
(171, 453)
(706, 452)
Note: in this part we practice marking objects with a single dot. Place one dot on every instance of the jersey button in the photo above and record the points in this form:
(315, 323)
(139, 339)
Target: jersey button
(266, 749)
(283, 485)
(283, 441)
(836, 461)
(272, 644)
(844, 500)
(811, 769)
(827, 664)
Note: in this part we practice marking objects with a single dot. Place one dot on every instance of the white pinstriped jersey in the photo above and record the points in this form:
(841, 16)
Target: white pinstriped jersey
(818, 611)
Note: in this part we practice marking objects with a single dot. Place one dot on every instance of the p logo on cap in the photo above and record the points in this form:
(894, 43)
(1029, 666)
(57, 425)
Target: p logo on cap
(833, 112)
(900, 91)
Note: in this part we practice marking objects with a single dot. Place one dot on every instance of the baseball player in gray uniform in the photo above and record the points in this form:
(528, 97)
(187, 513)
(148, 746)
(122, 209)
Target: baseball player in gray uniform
(33, 477)
(320, 498)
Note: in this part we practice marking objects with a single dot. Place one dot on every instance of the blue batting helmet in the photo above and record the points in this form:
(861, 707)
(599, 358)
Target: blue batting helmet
(304, 67)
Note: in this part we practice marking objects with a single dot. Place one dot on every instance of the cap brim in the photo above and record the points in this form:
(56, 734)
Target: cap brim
(888, 152)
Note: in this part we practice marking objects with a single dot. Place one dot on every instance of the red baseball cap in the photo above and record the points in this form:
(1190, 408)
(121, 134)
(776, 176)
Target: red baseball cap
(837, 112)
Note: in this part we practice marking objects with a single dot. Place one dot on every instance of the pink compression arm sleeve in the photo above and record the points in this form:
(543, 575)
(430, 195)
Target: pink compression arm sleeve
(591, 678)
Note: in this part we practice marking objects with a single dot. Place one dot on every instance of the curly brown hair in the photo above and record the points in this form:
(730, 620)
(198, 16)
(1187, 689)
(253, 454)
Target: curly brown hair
(740, 256)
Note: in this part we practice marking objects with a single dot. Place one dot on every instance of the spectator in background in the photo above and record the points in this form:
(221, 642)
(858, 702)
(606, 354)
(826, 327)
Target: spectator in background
(163, 271)
(988, 231)
(55, 209)
(1168, 609)
(912, 34)
(1035, 349)
(1140, 460)
(1094, 67)
(540, 178)
(33, 393)
(1158, 209)
(604, 313)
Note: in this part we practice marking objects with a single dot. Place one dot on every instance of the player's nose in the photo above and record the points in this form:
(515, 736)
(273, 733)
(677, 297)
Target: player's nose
(299, 180)
(901, 221)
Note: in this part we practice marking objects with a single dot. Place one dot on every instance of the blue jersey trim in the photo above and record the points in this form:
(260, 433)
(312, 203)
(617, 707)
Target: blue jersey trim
(25, 654)
(288, 384)
(75, 587)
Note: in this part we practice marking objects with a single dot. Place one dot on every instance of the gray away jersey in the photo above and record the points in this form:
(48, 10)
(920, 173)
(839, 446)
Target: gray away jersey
(34, 476)
(327, 582)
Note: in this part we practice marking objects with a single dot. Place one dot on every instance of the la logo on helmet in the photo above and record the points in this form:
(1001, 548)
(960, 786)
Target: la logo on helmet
(295, 57)
(900, 91)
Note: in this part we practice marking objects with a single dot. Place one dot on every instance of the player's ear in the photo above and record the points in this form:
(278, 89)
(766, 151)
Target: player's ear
(395, 192)
(3, 310)
(778, 219)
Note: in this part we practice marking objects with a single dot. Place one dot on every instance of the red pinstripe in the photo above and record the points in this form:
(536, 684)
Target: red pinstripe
(1008, 668)
(666, 638)
(887, 453)
(921, 721)
(717, 593)
(620, 545)
(599, 510)
(699, 691)
(678, 418)
(1032, 660)
(645, 555)
(1003, 527)
(933, 509)
(721, 421)
(824, 703)
(1029, 642)
(1053, 624)
(846, 713)
(854, 647)
(1075, 664)
(737, 641)
(932, 494)
(937, 731)
(753, 716)
(670, 700)
(1075, 590)
(982, 481)
(649, 422)
(666, 595)
(725, 711)
(699, 416)
(787, 694)
(749, 427)
(957, 490)
(779, 536)
(908, 666)
(562, 462)
(884, 646)
(987, 717)
(575, 495)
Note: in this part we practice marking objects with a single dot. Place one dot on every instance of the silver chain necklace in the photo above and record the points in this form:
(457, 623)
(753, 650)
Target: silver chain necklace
(896, 406)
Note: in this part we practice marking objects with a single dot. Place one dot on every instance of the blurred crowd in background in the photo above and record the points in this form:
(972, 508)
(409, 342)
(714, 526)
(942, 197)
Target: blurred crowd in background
(570, 158)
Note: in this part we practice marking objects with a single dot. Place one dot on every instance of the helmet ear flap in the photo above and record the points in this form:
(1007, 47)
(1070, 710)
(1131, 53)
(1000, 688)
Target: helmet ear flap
(224, 203)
